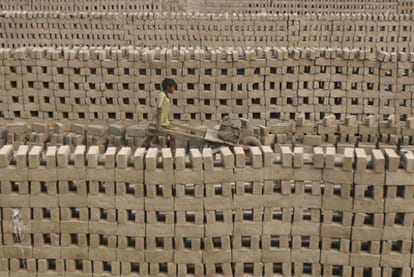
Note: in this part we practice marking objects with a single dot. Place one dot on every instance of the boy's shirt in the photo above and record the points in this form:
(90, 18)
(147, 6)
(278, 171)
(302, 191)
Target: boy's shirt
(163, 107)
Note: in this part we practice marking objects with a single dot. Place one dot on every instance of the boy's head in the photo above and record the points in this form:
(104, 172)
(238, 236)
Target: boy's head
(169, 85)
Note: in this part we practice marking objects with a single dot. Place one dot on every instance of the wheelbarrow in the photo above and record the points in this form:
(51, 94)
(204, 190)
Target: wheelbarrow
(204, 134)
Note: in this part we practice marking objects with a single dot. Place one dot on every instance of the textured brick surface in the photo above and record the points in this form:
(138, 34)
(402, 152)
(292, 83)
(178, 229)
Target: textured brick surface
(354, 215)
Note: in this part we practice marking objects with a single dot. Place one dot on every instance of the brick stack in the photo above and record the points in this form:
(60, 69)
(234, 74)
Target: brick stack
(265, 85)
(374, 32)
(256, 212)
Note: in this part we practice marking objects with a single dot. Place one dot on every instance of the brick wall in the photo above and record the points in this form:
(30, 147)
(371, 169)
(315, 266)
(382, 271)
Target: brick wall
(391, 33)
(93, 5)
(215, 6)
(265, 85)
(257, 212)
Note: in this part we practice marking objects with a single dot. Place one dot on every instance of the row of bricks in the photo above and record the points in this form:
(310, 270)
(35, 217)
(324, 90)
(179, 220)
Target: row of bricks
(85, 57)
(213, 87)
(314, 256)
(341, 240)
(89, 194)
(237, 8)
(193, 213)
(225, 23)
(327, 125)
(393, 238)
(380, 19)
(198, 40)
(209, 119)
(402, 108)
(260, 157)
(302, 133)
(56, 267)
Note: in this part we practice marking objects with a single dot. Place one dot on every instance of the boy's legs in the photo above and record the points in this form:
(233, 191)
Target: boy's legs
(172, 145)
(147, 141)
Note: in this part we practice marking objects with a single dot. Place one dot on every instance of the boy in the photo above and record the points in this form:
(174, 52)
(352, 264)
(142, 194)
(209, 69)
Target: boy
(160, 114)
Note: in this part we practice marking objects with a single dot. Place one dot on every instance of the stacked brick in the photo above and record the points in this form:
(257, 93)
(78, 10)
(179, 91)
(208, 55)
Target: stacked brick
(368, 134)
(237, 213)
(264, 85)
(375, 32)
(92, 6)
(250, 7)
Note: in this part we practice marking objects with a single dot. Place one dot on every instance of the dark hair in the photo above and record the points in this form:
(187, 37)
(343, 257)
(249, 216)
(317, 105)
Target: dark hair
(168, 82)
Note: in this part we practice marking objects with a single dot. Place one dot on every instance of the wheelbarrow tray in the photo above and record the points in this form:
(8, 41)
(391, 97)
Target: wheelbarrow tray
(204, 134)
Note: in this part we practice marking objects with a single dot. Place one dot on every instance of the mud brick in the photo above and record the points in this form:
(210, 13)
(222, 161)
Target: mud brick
(219, 223)
(217, 250)
(208, 159)
(312, 268)
(246, 195)
(134, 268)
(138, 158)
(305, 255)
(109, 157)
(21, 267)
(15, 194)
(240, 158)
(154, 175)
(102, 268)
(122, 158)
(268, 155)
(287, 157)
(298, 157)
(189, 224)
(312, 140)
(131, 222)
(180, 163)
(92, 156)
(283, 269)
(368, 198)
(392, 269)
(17, 252)
(188, 176)
(331, 270)
(160, 223)
(48, 267)
(37, 172)
(188, 250)
(227, 157)
(184, 269)
(51, 252)
(6, 153)
(101, 254)
(159, 250)
(246, 249)
(242, 268)
(101, 194)
(361, 159)
(74, 252)
(392, 160)
(218, 197)
(305, 227)
(21, 156)
(378, 161)
(158, 268)
(245, 222)
(129, 195)
(318, 157)
(337, 197)
(363, 259)
(275, 248)
(77, 266)
(130, 254)
(407, 160)
(391, 251)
